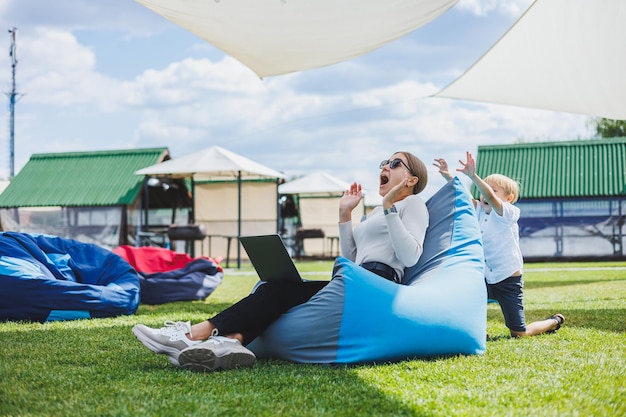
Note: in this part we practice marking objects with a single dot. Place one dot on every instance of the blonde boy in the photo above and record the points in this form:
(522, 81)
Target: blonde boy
(498, 217)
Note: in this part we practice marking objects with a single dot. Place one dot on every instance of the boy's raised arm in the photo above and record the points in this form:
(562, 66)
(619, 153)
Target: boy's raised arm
(469, 169)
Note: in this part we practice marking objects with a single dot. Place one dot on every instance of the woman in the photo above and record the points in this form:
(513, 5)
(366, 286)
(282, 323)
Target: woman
(387, 241)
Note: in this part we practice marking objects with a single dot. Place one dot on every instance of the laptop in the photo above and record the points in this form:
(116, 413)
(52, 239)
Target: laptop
(270, 258)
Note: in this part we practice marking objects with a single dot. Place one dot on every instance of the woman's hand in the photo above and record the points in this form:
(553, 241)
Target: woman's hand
(392, 196)
(350, 199)
(442, 166)
(469, 166)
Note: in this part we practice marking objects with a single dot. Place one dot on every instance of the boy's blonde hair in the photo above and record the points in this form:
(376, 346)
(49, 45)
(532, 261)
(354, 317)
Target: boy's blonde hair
(509, 185)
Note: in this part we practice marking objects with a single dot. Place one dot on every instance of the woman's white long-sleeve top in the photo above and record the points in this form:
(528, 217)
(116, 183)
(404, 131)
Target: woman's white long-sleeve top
(395, 239)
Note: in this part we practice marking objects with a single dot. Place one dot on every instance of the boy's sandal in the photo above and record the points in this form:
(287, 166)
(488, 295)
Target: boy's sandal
(559, 318)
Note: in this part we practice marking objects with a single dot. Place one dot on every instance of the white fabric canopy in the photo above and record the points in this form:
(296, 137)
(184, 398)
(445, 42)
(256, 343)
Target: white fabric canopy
(322, 184)
(212, 164)
(316, 183)
(279, 36)
(561, 55)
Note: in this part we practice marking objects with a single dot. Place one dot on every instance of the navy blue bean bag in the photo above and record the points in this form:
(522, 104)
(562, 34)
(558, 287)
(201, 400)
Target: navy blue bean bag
(439, 309)
(47, 278)
(166, 276)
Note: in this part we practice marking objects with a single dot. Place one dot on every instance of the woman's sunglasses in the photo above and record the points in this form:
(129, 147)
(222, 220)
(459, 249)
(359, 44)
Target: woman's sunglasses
(395, 164)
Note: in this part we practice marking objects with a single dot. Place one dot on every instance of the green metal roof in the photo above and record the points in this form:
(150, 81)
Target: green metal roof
(73, 179)
(585, 168)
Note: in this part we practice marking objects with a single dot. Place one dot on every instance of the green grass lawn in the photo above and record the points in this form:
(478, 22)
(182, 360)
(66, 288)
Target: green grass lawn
(98, 368)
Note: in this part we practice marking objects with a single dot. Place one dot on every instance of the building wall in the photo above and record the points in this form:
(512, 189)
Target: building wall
(217, 209)
(323, 213)
(573, 228)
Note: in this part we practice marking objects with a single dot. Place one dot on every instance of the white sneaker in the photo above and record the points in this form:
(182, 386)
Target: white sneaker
(168, 340)
(218, 352)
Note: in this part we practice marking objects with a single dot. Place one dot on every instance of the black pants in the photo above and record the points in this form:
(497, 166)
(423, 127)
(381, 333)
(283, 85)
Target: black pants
(253, 314)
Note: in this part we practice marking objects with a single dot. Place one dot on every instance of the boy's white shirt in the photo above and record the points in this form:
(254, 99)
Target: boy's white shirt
(500, 236)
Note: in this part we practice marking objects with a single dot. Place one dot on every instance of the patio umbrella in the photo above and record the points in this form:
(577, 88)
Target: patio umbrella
(561, 55)
(275, 37)
(214, 164)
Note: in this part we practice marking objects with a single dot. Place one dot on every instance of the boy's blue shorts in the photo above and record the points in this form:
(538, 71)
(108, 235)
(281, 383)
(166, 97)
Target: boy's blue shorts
(509, 294)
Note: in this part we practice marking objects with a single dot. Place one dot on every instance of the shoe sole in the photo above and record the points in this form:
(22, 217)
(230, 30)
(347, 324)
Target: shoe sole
(559, 322)
(205, 360)
(156, 347)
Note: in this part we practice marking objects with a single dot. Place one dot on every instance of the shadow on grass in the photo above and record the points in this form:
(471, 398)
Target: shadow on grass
(605, 319)
(79, 370)
(531, 284)
(497, 337)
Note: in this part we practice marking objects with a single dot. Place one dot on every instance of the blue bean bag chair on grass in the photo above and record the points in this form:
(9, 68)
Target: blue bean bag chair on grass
(359, 317)
(47, 278)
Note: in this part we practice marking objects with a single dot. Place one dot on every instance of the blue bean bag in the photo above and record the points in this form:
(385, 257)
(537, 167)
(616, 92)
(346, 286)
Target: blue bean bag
(439, 309)
(47, 278)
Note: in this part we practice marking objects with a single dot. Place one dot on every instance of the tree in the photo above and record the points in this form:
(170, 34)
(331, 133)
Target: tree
(609, 128)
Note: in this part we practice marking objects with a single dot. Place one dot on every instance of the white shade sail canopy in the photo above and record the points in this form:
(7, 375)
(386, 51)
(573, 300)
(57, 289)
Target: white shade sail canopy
(275, 37)
(212, 164)
(561, 55)
(318, 183)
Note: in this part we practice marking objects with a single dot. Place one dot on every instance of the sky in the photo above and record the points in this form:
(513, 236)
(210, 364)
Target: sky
(104, 75)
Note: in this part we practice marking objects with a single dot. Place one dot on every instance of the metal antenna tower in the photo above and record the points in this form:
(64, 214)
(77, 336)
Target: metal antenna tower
(12, 95)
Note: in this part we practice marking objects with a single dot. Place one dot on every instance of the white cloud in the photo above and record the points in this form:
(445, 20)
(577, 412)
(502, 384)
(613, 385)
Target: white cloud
(54, 68)
(346, 133)
(484, 7)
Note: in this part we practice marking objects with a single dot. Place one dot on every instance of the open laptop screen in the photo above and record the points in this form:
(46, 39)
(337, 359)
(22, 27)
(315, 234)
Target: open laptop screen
(270, 258)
